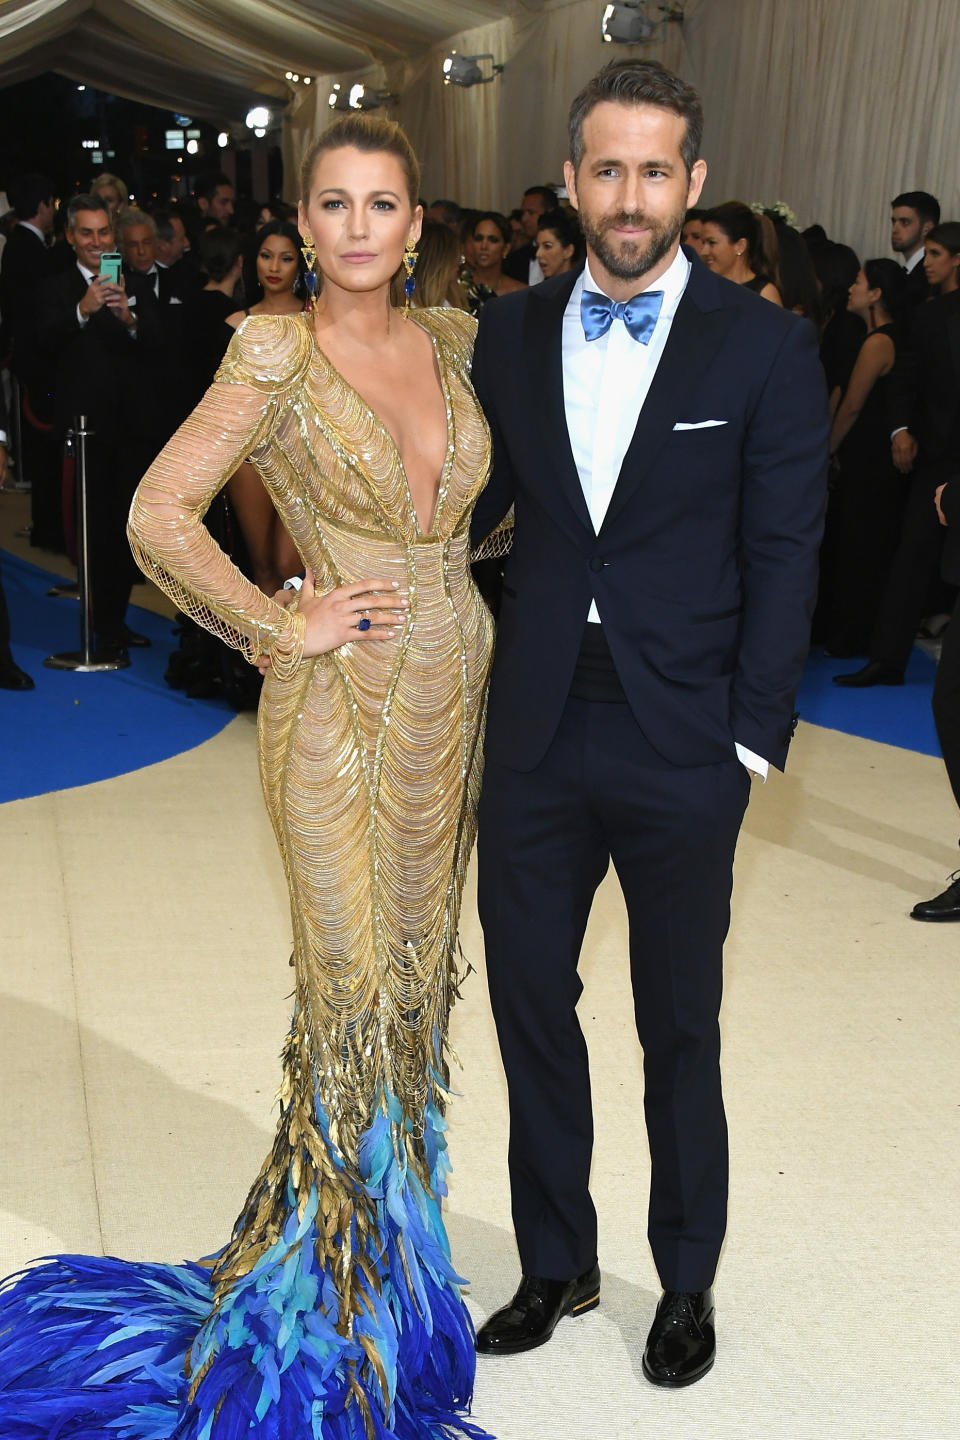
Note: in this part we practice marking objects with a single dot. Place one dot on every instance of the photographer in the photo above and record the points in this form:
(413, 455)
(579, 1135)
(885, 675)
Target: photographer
(87, 323)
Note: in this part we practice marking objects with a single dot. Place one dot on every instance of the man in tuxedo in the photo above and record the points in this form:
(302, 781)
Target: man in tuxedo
(662, 436)
(173, 254)
(912, 216)
(155, 397)
(90, 329)
(923, 391)
(522, 264)
(27, 262)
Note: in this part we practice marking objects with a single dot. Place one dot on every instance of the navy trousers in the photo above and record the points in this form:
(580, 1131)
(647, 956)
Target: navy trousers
(546, 838)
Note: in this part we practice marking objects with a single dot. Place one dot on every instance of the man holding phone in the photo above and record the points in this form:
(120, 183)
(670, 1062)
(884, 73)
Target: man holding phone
(87, 323)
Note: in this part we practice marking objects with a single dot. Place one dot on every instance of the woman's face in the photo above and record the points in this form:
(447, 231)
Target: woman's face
(264, 217)
(488, 245)
(938, 264)
(718, 250)
(860, 295)
(360, 216)
(277, 265)
(553, 256)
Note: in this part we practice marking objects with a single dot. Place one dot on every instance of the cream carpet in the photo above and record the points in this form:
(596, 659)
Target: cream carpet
(144, 938)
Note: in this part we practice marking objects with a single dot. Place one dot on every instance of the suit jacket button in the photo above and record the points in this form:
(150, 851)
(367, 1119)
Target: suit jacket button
(597, 564)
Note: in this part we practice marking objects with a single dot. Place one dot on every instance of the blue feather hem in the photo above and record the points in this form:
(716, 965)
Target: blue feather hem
(96, 1348)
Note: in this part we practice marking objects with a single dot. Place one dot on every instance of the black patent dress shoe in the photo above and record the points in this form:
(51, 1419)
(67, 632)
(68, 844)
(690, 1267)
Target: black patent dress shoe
(682, 1344)
(534, 1312)
(135, 640)
(875, 672)
(13, 678)
(945, 906)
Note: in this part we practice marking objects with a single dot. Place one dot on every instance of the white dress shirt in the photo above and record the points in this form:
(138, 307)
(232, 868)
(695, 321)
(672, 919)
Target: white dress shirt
(28, 225)
(89, 276)
(605, 384)
(915, 259)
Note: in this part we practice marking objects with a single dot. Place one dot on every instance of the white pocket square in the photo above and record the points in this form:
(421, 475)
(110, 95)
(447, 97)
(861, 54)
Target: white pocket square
(698, 424)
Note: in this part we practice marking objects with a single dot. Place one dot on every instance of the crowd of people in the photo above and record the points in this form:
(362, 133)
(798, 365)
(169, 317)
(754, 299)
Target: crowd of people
(134, 354)
(658, 441)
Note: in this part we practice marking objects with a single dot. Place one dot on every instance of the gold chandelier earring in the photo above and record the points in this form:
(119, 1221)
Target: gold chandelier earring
(309, 252)
(410, 264)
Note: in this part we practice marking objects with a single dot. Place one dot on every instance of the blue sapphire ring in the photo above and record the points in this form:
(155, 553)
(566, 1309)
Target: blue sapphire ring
(364, 624)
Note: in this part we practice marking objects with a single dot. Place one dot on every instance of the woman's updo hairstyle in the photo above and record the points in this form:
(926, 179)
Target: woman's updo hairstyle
(369, 133)
(738, 222)
(890, 279)
(566, 227)
(218, 251)
(252, 289)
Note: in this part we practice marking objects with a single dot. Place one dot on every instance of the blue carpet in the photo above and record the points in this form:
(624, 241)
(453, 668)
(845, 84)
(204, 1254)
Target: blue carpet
(74, 728)
(895, 714)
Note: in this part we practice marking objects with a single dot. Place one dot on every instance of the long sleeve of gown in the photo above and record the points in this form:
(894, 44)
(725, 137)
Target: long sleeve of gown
(169, 540)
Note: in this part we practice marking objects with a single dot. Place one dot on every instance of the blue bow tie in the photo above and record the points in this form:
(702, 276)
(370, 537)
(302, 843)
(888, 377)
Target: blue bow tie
(640, 315)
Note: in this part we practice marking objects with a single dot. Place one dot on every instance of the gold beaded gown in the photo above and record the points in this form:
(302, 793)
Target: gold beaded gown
(334, 1310)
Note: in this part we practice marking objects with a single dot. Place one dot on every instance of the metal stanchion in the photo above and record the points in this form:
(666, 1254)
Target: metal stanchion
(21, 479)
(86, 658)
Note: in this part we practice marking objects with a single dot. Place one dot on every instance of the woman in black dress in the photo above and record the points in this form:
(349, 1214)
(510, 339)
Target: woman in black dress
(867, 493)
(731, 246)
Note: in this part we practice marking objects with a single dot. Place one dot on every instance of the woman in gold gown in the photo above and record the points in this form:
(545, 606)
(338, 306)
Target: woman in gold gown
(334, 1310)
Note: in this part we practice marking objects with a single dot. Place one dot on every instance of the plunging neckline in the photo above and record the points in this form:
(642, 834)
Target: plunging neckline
(443, 479)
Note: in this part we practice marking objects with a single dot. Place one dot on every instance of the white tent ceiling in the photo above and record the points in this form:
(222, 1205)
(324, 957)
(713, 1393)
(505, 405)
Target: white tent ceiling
(213, 57)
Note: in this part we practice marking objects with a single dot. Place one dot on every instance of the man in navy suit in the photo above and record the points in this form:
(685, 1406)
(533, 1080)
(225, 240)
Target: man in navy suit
(662, 436)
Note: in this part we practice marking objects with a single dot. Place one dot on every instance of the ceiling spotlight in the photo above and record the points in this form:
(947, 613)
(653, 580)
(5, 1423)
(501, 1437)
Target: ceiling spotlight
(288, 75)
(630, 23)
(259, 133)
(193, 146)
(358, 98)
(223, 139)
(258, 118)
(465, 70)
(307, 79)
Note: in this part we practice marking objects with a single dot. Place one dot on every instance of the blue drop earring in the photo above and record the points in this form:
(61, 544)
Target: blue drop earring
(409, 284)
(309, 252)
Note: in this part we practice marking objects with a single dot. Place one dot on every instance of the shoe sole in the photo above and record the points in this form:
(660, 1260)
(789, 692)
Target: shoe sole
(580, 1308)
(937, 919)
(670, 1384)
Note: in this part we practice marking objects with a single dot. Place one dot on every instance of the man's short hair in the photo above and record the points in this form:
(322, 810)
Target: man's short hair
(130, 217)
(28, 192)
(208, 185)
(926, 205)
(86, 202)
(547, 194)
(639, 82)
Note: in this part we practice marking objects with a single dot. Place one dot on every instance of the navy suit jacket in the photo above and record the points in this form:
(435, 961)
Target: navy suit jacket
(705, 568)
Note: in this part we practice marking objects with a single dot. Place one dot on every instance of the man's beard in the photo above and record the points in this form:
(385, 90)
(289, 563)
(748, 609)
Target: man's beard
(631, 259)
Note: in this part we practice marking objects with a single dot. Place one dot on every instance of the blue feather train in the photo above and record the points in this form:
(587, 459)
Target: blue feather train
(95, 1348)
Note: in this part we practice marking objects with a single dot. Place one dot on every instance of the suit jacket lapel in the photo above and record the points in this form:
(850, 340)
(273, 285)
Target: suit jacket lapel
(543, 361)
(699, 328)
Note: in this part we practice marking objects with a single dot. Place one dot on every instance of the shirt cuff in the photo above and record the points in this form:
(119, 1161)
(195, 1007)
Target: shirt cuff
(3, 438)
(81, 319)
(753, 762)
(899, 430)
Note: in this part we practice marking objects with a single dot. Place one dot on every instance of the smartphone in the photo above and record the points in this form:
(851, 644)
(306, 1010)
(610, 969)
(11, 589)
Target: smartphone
(110, 265)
